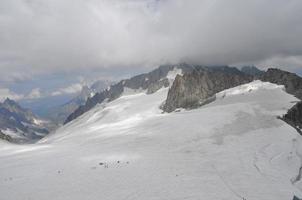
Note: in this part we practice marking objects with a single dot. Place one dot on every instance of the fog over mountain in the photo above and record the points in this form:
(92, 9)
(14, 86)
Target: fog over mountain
(41, 37)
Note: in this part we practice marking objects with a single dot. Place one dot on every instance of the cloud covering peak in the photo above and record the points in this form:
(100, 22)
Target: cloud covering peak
(59, 35)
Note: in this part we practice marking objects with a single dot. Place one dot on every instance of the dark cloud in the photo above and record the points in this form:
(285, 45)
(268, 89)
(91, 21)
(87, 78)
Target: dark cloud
(48, 36)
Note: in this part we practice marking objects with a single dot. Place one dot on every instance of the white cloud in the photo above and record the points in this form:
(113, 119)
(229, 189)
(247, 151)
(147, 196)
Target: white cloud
(72, 89)
(34, 94)
(53, 35)
(6, 93)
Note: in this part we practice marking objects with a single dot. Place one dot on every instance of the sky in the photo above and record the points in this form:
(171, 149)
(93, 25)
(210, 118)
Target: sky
(54, 46)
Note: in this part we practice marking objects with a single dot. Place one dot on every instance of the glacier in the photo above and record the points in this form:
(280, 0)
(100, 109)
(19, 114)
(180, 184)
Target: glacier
(232, 148)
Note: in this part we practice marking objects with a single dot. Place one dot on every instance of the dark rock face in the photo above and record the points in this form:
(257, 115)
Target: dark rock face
(153, 87)
(296, 198)
(22, 121)
(5, 137)
(252, 70)
(200, 86)
(59, 114)
(151, 82)
(197, 87)
(294, 117)
(291, 81)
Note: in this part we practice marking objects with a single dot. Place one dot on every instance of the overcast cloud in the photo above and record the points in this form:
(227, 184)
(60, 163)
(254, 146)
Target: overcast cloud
(6, 93)
(39, 37)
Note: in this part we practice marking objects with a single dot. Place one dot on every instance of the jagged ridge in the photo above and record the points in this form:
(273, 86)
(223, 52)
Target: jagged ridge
(292, 82)
(197, 88)
(20, 121)
(151, 82)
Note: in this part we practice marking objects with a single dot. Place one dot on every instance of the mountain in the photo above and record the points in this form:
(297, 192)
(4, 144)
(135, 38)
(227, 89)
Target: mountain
(20, 125)
(60, 113)
(150, 82)
(199, 87)
(252, 70)
(232, 148)
(100, 85)
(291, 81)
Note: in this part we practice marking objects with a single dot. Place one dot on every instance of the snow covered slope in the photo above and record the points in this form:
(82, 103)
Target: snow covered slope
(233, 148)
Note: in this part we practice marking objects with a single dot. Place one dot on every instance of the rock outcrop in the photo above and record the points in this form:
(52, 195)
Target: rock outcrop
(59, 114)
(292, 82)
(19, 124)
(252, 70)
(158, 85)
(5, 137)
(199, 87)
(294, 117)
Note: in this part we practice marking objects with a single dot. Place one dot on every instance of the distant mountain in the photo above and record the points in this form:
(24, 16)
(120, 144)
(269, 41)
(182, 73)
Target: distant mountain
(60, 113)
(20, 125)
(200, 86)
(100, 85)
(151, 82)
(252, 70)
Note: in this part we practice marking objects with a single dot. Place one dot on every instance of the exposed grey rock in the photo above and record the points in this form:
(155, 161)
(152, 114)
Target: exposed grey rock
(5, 137)
(149, 81)
(294, 117)
(153, 87)
(291, 81)
(252, 70)
(21, 121)
(199, 87)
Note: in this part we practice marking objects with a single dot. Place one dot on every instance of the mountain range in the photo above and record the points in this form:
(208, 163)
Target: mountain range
(59, 114)
(194, 86)
(178, 132)
(20, 125)
(198, 84)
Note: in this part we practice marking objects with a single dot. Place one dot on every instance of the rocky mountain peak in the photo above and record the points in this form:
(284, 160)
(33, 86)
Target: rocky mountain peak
(19, 124)
(199, 87)
(252, 70)
(10, 103)
(292, 82)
